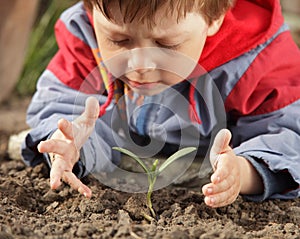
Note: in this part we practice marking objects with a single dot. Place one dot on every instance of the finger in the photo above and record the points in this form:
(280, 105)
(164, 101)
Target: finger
(221, 193)
(91, 112)
(88, 117)
(220, 145)
(213, 188)
(221, 141)
(223, 170)
(50, 145)
(222, 199)
(66, 128)
(42, 147)
(76, 184)
(62, 148)
(56, 172)
(84, 124)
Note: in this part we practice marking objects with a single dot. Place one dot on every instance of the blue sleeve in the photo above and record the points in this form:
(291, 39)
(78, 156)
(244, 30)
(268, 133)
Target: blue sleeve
(273, 139)
(274, 183)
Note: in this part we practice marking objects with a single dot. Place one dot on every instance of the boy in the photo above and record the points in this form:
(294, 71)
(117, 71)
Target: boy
(246, 49)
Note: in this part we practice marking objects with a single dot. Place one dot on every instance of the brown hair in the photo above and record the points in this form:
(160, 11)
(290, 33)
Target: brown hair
(145, 10)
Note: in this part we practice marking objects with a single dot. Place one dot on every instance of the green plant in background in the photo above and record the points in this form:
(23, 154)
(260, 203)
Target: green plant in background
(42, 44)
(153, 172)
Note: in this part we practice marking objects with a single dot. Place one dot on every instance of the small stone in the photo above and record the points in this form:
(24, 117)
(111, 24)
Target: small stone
(290, 227)
(85, 229)
(123, 218)
(52, 206)
(191, 210)
(51, 196)
(4, 201)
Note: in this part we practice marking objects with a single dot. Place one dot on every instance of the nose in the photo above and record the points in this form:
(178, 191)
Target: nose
(140, 62)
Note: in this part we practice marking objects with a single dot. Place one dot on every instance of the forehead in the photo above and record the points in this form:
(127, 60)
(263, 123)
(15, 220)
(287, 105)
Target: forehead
(164, 26)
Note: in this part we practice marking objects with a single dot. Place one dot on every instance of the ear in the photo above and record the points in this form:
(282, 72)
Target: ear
(215, 26)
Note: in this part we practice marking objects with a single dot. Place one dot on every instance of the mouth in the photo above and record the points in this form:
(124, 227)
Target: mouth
(141, 85)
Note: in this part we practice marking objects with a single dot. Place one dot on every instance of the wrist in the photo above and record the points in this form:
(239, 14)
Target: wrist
(250, 180)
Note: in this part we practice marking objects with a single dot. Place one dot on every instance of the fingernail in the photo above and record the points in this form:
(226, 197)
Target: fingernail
(51, 185)
(209, 190)
(84, 194)
(212, 200)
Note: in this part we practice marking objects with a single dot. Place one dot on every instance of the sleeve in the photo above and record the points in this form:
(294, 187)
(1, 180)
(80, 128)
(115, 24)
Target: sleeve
(274, 183)
(270, 143)
(265, 120)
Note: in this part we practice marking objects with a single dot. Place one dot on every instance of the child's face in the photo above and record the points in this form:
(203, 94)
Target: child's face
(118, 39)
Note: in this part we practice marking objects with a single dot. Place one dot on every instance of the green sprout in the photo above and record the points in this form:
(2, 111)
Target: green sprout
(153, 172)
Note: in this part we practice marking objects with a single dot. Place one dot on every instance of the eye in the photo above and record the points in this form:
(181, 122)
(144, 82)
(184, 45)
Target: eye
(168, 46)
(120, 43)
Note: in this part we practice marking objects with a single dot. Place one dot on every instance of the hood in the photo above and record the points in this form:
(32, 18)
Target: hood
(248, 24)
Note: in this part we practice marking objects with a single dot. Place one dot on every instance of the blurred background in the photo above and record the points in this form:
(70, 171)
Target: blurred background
(26, 48)
(32, 45)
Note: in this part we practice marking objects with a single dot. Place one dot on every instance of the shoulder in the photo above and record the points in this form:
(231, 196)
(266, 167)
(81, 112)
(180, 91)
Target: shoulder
(76, 21)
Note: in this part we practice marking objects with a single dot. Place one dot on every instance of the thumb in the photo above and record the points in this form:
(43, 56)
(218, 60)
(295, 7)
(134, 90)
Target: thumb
(91, 112)
(85, 123)
(220, 145)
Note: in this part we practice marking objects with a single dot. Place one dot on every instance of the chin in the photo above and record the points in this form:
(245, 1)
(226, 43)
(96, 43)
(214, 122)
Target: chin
(149, 91)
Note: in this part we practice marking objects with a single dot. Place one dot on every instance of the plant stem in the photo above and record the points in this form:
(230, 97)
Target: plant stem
(150, 190)
(151, 180)
(147, 217)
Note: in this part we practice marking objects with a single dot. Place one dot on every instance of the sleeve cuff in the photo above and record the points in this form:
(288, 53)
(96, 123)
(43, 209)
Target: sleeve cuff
(273, 182)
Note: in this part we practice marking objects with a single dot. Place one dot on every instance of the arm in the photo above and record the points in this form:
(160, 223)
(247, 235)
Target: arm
(265, 120)
(262, 167)
(263, 109)
(274, 153)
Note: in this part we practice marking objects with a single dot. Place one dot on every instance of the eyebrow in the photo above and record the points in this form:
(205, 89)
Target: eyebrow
(170, 34)
(157, 35)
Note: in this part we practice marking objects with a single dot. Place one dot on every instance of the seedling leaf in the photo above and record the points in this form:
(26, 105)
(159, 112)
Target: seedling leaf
(154, 165)
(174, 157)
(135, 157)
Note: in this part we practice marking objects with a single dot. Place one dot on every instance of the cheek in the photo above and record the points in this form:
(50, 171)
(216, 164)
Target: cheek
(171, 78)
(194, 47)
(194, 50)
(105, 50)
(110, 55)
(114, 60)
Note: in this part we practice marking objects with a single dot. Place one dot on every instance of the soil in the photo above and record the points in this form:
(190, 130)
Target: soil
(29, 209)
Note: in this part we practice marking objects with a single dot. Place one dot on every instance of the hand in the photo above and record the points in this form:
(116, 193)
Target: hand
(226, 182)
(64, 147)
